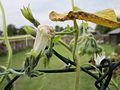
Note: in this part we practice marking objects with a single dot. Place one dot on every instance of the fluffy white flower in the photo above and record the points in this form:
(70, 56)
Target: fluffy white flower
(44, 33)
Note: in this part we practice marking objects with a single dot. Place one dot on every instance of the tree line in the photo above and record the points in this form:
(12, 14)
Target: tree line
(12, 30)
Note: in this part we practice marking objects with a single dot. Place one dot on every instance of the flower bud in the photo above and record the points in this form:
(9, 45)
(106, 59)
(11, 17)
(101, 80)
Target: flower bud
(44, 33)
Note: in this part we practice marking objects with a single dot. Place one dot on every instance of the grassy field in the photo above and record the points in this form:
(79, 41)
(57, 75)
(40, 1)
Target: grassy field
(64, 81)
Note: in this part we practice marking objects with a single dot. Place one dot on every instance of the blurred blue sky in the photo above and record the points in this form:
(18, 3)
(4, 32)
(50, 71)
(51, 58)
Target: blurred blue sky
(41, 9)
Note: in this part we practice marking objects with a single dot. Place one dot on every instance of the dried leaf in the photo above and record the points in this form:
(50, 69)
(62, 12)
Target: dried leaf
(106, 17)
(108, 14)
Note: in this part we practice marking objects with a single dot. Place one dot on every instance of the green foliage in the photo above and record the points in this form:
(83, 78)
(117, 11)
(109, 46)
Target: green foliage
(21, 31)
(84, 25)
(63, 31)
(58, 28)
(12, 30)
(86, 43)
(67, 29)
(30, 64)
(29, 30)
(117, 49)
(67, 79)
(56, 39)
(76, 8)
(118, 19)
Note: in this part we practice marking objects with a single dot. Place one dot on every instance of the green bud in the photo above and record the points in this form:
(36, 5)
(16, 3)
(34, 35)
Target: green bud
(27, 13)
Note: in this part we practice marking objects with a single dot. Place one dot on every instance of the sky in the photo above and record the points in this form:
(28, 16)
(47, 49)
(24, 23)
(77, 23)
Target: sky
(42, 8)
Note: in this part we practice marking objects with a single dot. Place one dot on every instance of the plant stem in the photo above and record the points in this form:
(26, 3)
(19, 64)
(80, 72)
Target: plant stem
(64, 33)
(75, 58)
(18, 37)
(50, 45)
(50, 49)
(65, 45)
(115, 84)
(73, 5)
(76, 38)
(6, 37)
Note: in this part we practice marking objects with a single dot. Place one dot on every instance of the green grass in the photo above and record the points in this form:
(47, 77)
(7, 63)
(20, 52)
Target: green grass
(61, 81)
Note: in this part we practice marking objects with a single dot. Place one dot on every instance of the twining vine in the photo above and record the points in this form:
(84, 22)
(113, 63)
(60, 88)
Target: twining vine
(83, 42)
(8, 64)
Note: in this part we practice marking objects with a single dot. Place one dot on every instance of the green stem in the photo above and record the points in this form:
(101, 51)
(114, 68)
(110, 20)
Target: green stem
(73, 5)
(4, 73)
(6, 37)
(18, 37)
(64, 33)
(115, 84)
(74, 51)
(50, 46)
(65, 45)
(75, 56)
(15, 72)
(76, 38)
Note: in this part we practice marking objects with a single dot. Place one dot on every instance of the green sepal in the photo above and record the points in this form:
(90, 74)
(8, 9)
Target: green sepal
(27, 13)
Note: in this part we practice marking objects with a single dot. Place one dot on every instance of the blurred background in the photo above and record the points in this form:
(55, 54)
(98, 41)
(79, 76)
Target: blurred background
(107, 37)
